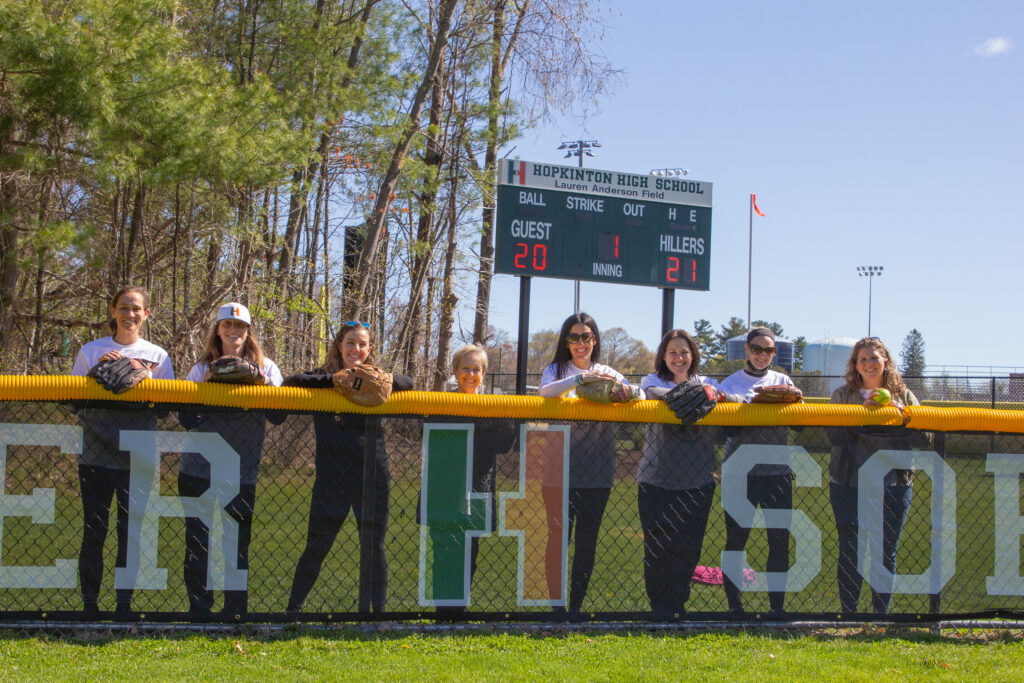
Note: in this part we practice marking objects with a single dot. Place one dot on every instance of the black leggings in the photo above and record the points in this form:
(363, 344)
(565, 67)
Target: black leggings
(324, 528)
(769, 492)
(99, 486)
(197, 545)
(586, 509)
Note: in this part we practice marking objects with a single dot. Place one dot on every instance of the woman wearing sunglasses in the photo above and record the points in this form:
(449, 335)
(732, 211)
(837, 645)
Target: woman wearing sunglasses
(675, 481)
(869, 371)
(348, 447)
(768, 486)
(591, 448)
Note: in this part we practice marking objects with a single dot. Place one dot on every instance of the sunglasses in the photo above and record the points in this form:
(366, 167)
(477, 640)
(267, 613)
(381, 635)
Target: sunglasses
(356, 323)
(573, 338)
(758, 350)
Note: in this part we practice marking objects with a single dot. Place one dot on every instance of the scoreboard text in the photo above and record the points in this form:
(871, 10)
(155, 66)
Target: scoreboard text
(585, 224)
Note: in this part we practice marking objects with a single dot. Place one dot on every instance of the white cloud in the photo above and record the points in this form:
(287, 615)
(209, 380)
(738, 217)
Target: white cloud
(994, 46)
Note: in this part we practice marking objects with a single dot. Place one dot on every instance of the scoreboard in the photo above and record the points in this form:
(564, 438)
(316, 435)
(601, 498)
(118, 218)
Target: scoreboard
(586, 224)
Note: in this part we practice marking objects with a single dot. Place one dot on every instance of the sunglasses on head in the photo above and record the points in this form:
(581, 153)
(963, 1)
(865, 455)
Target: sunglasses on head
(586, 337)
(757, 350)
(356, 323)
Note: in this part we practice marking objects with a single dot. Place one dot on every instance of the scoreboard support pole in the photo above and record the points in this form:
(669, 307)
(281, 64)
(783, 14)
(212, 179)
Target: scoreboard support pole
(668, 307)
(522, 350)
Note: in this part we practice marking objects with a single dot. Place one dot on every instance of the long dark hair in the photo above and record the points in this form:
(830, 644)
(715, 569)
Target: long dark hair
(562, 355)
(127, 289)
(333, 362)
(891, 379)
(659, 358)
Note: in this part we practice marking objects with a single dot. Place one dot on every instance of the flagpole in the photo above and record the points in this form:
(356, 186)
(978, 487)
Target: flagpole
(750, 255)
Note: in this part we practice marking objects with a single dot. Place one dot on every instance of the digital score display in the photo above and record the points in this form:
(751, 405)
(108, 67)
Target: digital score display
(580, 234)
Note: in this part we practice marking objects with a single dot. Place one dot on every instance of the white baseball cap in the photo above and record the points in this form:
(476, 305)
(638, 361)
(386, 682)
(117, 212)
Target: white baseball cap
(234, 311)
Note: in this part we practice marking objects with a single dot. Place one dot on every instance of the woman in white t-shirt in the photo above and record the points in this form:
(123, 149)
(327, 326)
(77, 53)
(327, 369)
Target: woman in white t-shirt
(231, 335)
(103, 468)
(591, 449)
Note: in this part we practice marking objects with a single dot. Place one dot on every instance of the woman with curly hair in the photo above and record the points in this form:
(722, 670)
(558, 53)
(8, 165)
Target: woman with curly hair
(869, 371)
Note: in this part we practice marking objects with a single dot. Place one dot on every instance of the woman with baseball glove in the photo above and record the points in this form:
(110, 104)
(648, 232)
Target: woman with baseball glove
(119, 362)
(768, 486)
(592, 444)
(675, 476)
(871, 380)
(233, 356)
(351, 466)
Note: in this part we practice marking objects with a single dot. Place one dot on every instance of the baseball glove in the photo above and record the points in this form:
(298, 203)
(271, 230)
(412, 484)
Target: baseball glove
(691, 401)
(236, 370)
(118, 376)
(366, 385)
(777, 393)
(605, 390)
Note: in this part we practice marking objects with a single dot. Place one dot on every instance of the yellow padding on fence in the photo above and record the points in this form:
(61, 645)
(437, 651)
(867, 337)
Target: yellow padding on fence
(66, 388)
(966, 419)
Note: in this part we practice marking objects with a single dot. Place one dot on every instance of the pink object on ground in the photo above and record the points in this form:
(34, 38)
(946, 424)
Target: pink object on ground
(712, 576)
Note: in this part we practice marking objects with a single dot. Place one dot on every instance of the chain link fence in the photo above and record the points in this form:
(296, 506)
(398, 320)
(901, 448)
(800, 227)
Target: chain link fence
(189, 513)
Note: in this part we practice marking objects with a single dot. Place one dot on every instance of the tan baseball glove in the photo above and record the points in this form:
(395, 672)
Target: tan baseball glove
(365, 385)
(604, 390)
(777, 393)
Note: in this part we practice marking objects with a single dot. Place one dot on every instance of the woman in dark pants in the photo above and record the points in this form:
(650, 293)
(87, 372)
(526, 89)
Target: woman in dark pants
(103, 469)
(491, 437)
(869, 371)
(768, 486)
(591, 450)
(675, 482)
(351, 475)
(231, 335)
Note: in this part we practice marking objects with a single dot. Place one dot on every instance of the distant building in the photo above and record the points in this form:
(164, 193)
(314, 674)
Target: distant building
(829, 356)
(783, 357)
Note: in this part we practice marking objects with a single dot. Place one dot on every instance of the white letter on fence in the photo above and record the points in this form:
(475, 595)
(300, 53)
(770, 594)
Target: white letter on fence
(1007, 468)
(39, 505)
(806, 536)
(870, 492)
(146, 506)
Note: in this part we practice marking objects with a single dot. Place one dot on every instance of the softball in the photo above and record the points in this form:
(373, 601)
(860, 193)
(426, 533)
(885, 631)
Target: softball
(882, 397)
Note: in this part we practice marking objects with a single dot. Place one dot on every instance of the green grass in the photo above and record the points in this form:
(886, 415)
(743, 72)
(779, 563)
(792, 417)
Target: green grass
(862, 656)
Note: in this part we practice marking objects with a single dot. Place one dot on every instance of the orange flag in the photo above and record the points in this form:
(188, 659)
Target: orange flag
(753, 200)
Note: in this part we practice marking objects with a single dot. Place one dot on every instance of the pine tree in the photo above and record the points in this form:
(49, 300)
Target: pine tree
(912, 354)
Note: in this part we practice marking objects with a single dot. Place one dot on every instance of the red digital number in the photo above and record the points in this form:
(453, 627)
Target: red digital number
(693, 275)
(540, 251)
(672, 272)
(520, 255)
(540, 256)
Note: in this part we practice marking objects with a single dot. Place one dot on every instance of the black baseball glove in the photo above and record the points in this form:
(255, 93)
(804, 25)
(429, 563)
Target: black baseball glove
(118, 376)
(691, 401)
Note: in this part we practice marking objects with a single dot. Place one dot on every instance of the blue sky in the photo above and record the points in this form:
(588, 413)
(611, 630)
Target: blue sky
(874, 133)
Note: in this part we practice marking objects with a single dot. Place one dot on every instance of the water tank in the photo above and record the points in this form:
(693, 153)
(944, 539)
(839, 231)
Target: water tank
(829, 356)
(783, 357)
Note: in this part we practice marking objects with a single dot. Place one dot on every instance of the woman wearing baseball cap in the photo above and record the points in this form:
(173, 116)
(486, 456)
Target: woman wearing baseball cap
(348, 446)
(230, 335)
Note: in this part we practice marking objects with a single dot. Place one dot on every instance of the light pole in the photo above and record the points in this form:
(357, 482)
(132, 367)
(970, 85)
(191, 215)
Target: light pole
(578, 148)
(870, 272)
